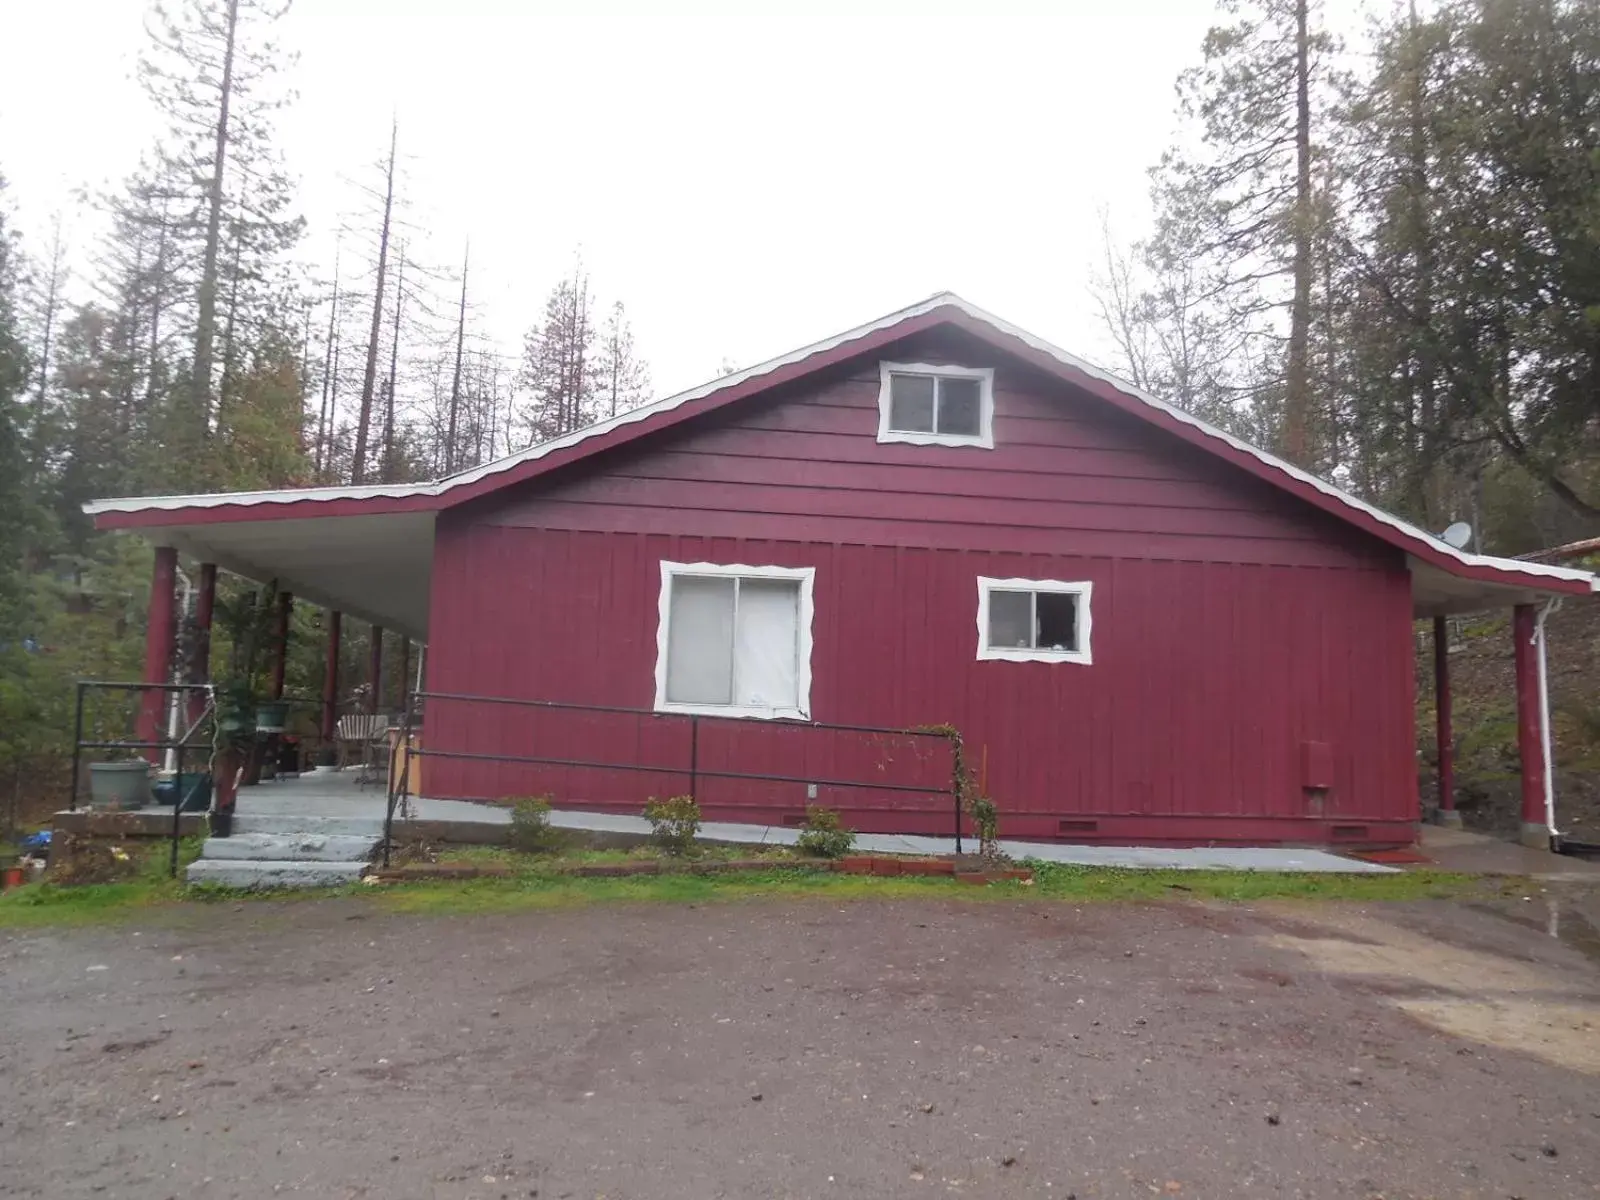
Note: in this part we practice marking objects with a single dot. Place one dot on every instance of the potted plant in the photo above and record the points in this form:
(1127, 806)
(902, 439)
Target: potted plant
(119, 784)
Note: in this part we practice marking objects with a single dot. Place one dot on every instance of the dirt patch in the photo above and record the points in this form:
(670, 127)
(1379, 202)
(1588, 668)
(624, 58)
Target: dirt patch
(782, 1048)
(1539, 1004)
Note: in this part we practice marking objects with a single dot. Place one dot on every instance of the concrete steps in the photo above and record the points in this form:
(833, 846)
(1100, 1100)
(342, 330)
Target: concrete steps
(288, 851)
(249, 873)
(295, 825)
(290, 847)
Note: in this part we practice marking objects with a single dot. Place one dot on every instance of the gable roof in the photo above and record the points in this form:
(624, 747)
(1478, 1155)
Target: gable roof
(944, 309)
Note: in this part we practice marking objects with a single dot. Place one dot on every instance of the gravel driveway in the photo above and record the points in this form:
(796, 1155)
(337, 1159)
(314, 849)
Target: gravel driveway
(803, 1048)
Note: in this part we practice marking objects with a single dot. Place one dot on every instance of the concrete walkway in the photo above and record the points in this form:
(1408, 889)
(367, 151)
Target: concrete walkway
(1475, 854)
(324, 795)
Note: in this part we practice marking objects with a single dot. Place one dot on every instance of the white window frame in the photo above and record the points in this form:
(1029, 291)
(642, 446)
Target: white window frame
(806, 576)
(1082, 589)
(984, 439)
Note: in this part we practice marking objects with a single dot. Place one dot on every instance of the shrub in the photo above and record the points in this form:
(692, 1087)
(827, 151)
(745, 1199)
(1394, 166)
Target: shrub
(823, 835)
(986, 818)
(673, 823)
(531, 831)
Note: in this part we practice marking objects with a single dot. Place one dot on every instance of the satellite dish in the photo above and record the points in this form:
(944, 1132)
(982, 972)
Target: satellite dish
(1458, 535)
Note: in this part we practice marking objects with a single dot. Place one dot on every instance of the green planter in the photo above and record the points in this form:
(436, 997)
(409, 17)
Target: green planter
(194, 786)
(119, 785)
(272, 715)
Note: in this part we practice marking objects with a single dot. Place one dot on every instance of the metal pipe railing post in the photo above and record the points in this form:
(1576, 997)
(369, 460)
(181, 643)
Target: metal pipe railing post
(955, 783)
(694, 758)
(177, 809)
(77, 747)
(396, 787)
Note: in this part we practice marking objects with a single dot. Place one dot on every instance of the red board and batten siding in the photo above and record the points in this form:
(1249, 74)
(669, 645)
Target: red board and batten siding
(1232, 625)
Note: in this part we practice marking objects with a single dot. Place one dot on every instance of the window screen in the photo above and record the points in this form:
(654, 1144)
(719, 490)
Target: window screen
(733, 640)
(948, 405)
(1050, 620)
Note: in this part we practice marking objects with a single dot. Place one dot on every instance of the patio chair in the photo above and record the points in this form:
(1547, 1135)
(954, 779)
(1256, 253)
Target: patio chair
(362, 738)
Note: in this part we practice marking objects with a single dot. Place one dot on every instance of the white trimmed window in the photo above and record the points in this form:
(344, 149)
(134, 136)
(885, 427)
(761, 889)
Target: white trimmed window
(936, 406)
(735, 641)
(1033, 620)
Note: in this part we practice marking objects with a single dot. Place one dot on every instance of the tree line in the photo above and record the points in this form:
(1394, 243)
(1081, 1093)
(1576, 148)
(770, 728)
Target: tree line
(191, 349)
(1382, 259)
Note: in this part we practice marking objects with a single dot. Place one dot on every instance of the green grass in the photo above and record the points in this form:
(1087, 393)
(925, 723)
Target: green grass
(543, 887)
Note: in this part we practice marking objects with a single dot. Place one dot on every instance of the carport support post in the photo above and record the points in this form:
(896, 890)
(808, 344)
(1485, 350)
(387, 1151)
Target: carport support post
(158, 645)
(1446, 737)
(281, 662)
(375, 671)
(405, 673)
(1530, 729)
(330, 681)
(205, 603)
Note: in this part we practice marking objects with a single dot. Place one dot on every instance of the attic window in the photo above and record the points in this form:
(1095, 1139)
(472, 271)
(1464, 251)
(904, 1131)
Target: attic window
(1033, 620)
(936, 406)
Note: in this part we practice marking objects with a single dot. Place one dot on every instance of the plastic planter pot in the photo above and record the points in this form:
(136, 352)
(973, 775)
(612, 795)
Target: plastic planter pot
(272, 715)
(119, 785)
(193, 786)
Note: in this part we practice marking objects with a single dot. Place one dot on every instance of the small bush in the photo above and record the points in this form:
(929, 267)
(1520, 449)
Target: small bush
(823, 835)
(531, 831)
(673, 823)
(986, 818)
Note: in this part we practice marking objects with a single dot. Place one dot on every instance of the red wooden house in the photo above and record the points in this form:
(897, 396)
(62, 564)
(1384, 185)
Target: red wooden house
(1146, 630)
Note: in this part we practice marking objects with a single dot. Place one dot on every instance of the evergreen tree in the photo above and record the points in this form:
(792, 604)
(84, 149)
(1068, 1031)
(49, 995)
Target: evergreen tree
(1241, 213)
(622, 378)
(558, 364)
(209, 69)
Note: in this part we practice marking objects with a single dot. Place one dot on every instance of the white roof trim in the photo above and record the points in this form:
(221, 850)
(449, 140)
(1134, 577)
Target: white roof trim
(1271, 460)
(279, 496)
(942, 300)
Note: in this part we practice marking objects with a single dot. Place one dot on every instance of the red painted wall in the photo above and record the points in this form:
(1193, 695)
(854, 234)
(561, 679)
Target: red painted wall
(1232, 625)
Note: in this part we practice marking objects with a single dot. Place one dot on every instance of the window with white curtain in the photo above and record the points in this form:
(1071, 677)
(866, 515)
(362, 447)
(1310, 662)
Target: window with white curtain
(734, 640)
(1034, 620)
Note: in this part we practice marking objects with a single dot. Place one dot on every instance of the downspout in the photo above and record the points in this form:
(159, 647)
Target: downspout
(175, 700)
(1549, 606)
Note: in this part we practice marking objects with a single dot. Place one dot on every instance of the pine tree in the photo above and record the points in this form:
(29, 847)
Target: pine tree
(1242, 211)
(623, 379)
(209, 70)
(558, 364)
(15, 498)
(369, 378)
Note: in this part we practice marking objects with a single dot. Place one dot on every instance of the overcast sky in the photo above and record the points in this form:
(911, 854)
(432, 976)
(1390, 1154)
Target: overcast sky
(747, 177)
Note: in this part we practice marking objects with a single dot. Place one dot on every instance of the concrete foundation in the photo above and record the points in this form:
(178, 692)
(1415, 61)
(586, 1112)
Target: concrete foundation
(1447, 818)
(1534, 836)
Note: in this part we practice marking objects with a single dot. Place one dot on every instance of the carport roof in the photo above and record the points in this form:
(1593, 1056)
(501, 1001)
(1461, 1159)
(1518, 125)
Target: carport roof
(359, 548)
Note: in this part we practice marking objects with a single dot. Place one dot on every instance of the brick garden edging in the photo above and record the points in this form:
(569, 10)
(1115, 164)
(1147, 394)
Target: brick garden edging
(857, 864)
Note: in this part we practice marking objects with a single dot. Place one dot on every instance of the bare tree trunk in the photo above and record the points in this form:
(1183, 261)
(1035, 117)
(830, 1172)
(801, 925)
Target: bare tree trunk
(394, 362)
(158, 296)
(455, 384)
(305, 371)
(225, 391)
(1432, 434)
(1297, 398)
(51, 303)
(206, 318)
(330, 360)
(364, 420)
